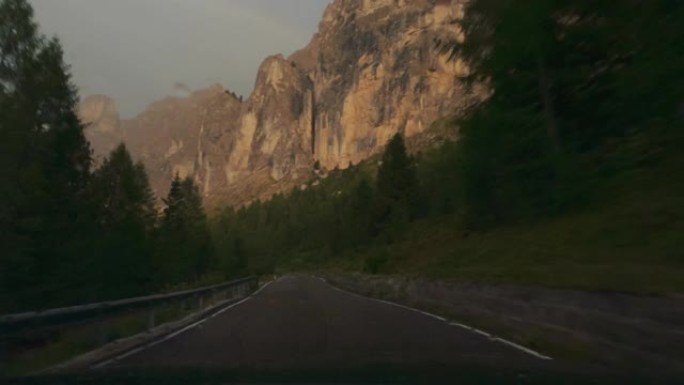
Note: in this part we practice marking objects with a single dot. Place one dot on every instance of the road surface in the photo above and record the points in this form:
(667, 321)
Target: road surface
(302, 322)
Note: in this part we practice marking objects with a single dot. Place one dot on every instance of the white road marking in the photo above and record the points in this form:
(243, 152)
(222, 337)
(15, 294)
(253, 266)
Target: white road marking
(263, 287)
(472, 329)
(463, 326)
(178, 332)
(389, 303)
(216, 314)
(520, 347)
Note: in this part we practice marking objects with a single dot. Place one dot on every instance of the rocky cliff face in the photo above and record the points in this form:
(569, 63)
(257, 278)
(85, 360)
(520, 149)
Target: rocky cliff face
(103, 126)
(375, 73)
(369, 72)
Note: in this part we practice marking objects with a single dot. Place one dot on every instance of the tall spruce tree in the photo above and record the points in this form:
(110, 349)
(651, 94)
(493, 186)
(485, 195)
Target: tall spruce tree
(358, 214)
(397, 195)
(185, 249)
(126, 215)
(44, 166)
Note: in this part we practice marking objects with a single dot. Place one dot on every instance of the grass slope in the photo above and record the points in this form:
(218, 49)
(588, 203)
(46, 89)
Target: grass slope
(630, 239)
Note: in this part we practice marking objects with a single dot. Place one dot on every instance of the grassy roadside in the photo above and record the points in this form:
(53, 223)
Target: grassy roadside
(631, 239)
(35, 352)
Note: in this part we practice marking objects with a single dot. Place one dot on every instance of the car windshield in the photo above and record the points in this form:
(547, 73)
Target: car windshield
(341, 191)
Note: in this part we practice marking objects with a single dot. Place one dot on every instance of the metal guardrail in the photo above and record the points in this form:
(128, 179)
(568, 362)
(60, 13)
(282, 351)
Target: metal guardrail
(59, 317)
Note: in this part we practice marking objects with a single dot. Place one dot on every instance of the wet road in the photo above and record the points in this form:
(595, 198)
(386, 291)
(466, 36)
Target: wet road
(302, 322)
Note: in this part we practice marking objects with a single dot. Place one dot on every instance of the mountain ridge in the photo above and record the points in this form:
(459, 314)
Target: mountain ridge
(369, 72)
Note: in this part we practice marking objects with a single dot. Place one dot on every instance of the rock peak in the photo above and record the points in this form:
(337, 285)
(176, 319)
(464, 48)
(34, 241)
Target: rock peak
(369, 72)
(100, 116)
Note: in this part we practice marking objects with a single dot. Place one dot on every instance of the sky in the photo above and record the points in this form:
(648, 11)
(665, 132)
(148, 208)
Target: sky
(139, 51)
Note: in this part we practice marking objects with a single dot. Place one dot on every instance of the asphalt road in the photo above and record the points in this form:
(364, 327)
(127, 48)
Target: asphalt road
(302, 322)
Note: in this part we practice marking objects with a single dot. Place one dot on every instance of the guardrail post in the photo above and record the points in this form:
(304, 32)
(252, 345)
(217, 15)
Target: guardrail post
(4, 356)
(200, 302)
(151, 319)
(102, 329)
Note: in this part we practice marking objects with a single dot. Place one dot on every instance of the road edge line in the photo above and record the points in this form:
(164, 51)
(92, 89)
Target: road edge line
(177, 332)
(491, 337)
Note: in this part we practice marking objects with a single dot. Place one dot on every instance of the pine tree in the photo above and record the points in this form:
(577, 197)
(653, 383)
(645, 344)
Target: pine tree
(126, 217)
(397, 193)
(123, 190)
(359, 213)
(44, 165)
(185, 249)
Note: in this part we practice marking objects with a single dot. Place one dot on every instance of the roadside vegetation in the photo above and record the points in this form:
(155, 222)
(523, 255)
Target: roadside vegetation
(628, 239)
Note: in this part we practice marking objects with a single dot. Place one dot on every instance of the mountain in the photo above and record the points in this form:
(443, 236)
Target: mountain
(103, 128)
(370, 71)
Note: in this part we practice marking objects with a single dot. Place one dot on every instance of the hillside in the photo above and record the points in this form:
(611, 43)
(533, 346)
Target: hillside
(627, 240)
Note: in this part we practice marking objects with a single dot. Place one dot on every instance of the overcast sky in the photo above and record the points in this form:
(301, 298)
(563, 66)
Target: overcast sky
(138, 51)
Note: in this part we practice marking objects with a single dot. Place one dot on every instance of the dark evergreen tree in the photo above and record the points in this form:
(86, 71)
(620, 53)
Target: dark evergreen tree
(44, 166)
(359, 214)
(185, 250)
(126, 217)
(397, 197)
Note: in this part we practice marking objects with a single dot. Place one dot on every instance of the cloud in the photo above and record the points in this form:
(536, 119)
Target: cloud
(180, 90)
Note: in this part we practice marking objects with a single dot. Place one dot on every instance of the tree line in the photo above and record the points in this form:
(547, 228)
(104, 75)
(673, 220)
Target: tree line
(70, 232)
(349, 209)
